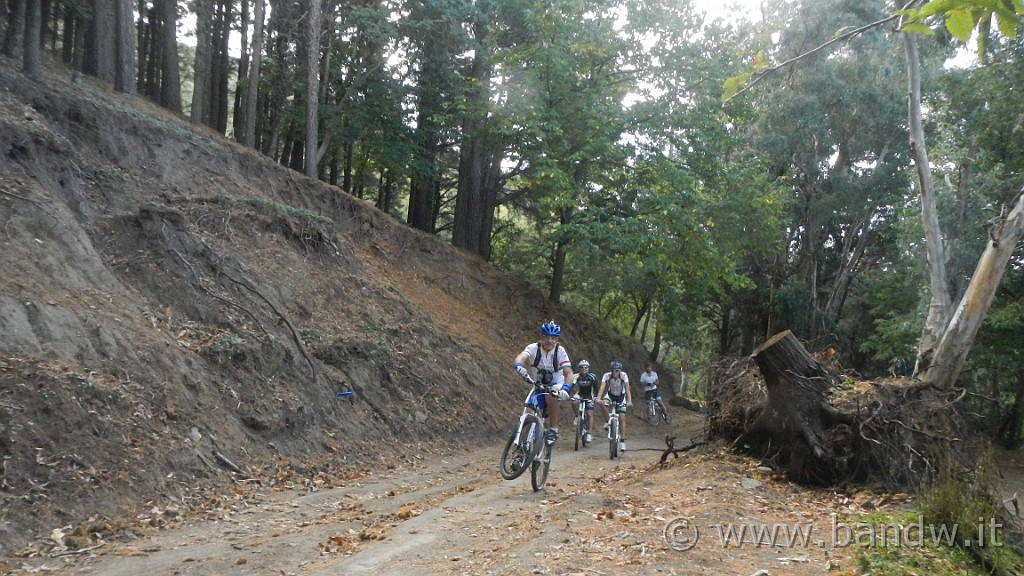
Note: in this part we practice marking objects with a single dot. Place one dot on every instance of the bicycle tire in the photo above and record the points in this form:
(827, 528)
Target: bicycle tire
(586, 429)
(580, 423)
(652, 413)
(539, 469)
(516, 457)
(613, 439)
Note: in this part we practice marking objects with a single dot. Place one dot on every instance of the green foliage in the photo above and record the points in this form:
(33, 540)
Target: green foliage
(894, 560)
(962, 18)
(962, 502)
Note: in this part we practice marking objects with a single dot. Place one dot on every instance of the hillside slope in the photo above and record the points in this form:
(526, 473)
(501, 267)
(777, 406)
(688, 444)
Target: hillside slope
(173, 305)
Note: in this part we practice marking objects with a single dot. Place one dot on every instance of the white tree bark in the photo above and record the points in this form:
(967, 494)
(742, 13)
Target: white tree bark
(952, 348)
(940, 307)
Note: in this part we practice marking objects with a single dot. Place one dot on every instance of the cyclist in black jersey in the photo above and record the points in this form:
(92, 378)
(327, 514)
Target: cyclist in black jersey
(586, 388)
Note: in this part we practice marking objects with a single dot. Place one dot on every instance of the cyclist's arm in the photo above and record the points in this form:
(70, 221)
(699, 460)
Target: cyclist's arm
(567, 378)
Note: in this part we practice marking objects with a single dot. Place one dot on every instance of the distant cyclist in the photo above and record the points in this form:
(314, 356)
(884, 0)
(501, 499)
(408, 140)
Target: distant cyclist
(553, 369)
(649, 381)
(615, 385)
(586, 388)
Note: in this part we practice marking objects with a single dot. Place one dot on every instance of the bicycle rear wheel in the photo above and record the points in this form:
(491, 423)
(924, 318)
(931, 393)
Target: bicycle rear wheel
(539, 469)
(518, 452)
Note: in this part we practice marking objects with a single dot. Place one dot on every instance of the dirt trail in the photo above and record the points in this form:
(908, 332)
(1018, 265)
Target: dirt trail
(454, 515)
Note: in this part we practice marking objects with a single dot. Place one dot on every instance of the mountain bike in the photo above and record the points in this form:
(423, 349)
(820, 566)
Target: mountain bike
(582, 422)
(614, 432)
(526, 446)
(652, 410)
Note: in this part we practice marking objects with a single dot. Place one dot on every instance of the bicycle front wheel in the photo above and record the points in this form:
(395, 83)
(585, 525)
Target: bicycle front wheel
(539, 470)
(613, 439)
(518, 452)
(652, 413)
(580, 429)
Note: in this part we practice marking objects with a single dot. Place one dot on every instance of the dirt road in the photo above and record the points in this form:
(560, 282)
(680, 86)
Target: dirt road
(454, 515)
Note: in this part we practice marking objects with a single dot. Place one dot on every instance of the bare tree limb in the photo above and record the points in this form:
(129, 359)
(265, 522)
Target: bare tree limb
(759, 75)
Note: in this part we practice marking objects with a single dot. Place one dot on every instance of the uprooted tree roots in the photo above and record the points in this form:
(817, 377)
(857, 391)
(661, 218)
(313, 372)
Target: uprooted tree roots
(803, 419)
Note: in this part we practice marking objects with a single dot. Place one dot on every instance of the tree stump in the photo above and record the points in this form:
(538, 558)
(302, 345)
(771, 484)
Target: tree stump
(796, 413)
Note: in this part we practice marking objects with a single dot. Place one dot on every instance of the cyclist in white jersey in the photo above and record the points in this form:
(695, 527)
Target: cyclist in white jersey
(615, 385)
(649, 381)
(553, 369)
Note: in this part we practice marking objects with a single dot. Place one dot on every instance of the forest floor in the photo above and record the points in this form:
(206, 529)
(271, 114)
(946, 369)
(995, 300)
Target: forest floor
(452, 514)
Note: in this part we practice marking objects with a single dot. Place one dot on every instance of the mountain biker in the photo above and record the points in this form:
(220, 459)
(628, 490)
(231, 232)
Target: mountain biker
(586, 389)
(649, 381)
(615, 385)
(553, 370)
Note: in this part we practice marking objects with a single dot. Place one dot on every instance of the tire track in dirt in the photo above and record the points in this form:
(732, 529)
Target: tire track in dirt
(451, 515)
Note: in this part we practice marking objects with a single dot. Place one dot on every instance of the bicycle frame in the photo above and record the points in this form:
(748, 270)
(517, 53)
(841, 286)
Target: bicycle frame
(582, 421)
(526, 448)
(531, 406)
(651, 410)
(614, 432)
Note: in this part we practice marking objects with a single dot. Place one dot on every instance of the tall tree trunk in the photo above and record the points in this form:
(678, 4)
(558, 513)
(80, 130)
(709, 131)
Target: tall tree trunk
(558, 264)
(252, 89)
(470, 201)
(313, 14)
(641, 313)
(952, 348)
(940, 306)
(14, 35)
(238, 122)
(170, 77)
(426, 183)
(220, 70)
(557, 274)
(656, 345)
(204, 63)
(71, 23)
(101, 49)
(33, 48)
(859, 237)
(125, 55)
(147, 38)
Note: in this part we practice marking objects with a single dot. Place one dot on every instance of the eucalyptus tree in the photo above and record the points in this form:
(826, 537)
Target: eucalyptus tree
(832, 131)
(948, 329)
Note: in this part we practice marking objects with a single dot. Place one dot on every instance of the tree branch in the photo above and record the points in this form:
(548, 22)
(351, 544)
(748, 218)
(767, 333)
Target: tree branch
(759, 75)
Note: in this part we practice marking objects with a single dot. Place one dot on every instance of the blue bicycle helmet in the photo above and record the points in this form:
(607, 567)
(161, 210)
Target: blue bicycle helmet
(550, 329)
(616, 365)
